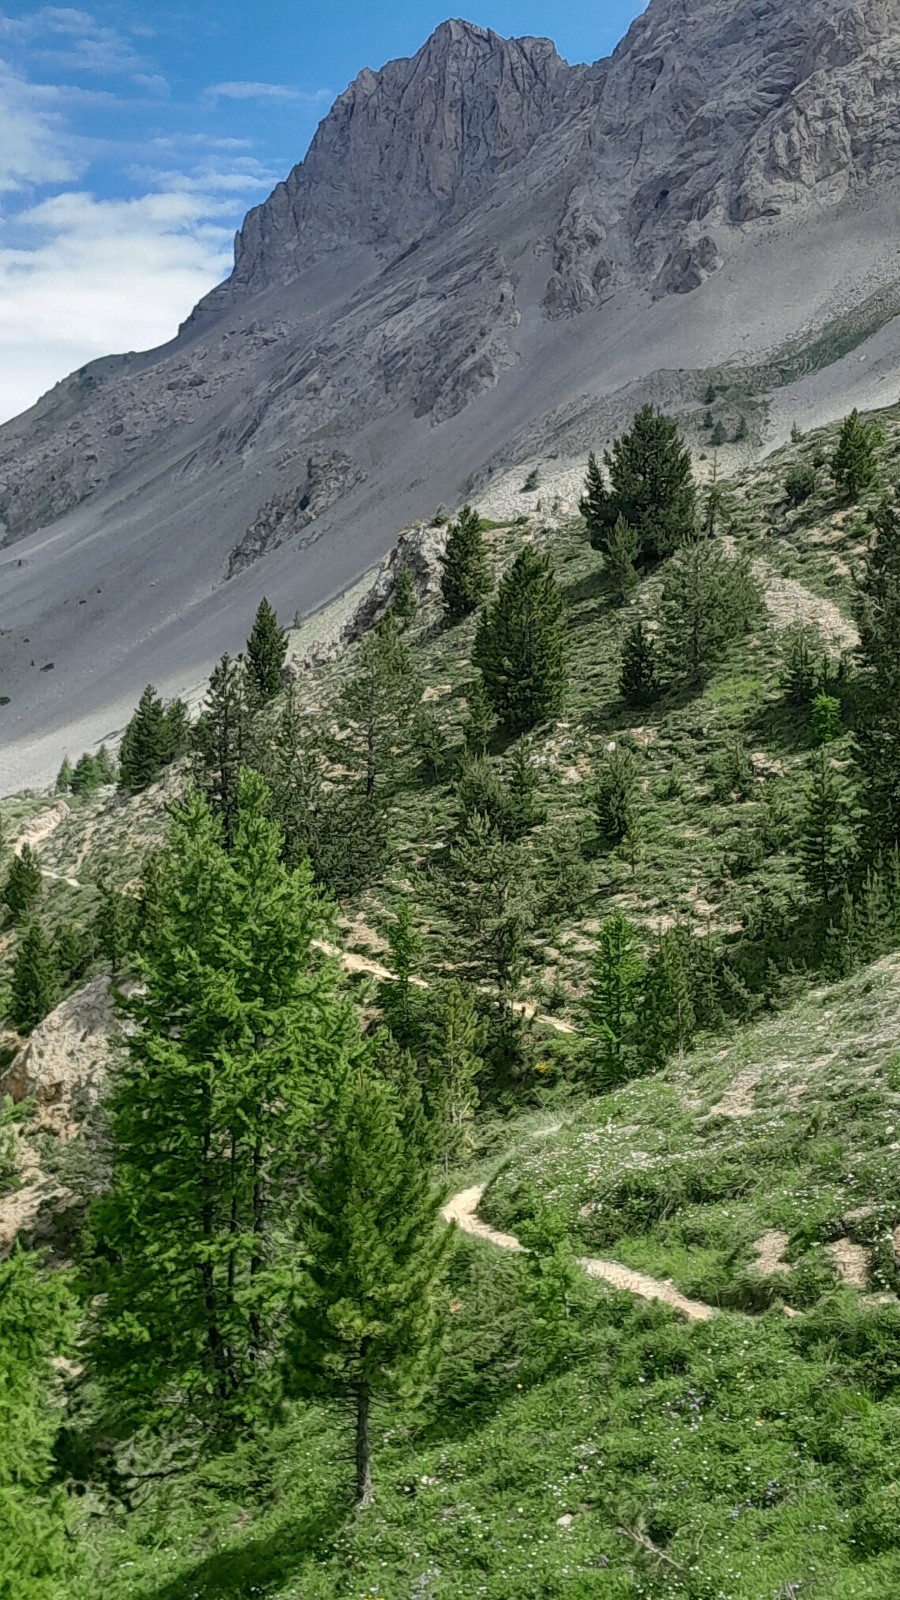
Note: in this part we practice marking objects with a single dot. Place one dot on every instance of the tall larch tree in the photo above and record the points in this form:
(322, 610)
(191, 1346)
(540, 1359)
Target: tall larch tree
(520, 647)
(225, 739)
(365, 1322)
(465, 567)
(240, 1041)
(266, 652)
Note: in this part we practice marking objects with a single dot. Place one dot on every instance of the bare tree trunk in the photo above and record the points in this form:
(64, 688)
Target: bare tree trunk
(364, 1492)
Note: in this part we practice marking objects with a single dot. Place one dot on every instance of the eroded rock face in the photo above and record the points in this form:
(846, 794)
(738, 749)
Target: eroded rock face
(287, 515)
(64, 1062)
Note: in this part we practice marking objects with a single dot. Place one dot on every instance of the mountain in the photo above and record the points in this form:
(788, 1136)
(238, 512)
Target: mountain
(487, 258)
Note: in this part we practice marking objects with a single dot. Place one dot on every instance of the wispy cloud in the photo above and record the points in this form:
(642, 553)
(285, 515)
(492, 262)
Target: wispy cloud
(31, 144)
(69, 40)
(267, 91)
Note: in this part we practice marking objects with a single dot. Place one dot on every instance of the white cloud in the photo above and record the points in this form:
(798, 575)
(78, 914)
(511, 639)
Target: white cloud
(267, 91)
(74, 41)
(30, 138)
(103, 276)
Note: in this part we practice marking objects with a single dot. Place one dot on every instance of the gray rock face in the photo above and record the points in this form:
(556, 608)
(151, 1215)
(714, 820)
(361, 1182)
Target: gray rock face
(481, 243)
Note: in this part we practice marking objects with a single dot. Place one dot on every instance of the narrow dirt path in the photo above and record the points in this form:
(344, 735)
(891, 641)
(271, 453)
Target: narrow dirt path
(463, 1210)
(373, 969)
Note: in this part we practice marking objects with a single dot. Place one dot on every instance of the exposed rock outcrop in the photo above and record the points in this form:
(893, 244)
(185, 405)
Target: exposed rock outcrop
(64, 1061)
(286, 515)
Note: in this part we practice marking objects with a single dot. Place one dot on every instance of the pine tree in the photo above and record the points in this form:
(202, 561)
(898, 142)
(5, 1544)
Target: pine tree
(405, 601)
(490, 893)
(38, 1557)
(619, 575)
(617, 800)
(241, 1040)
(520, 645)
(718, 504)
(638, 671)
(454, 1065)
(526, 808)
(651, 486)
(87, 777)
(144, 748)
(667, 1017)
(116, 925)
(73, 949)
(616, 983)
(878, 719)
(398, 997)
(707, 601)
(826, 837)
(465, 568)
(63, 782)
(825, 719)
(33, 991)
(839, 953)
(854, 465)
(177, 730)
(225, 743)
(23, 883)
(379, 702)
(266, 652)
(106, 767)
(365, 1321)
(479, 723)
(290, 762)
(553, 1288)
(800, 673)
(594, 506)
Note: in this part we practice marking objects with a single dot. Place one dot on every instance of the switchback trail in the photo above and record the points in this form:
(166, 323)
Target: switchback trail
(463, 1210)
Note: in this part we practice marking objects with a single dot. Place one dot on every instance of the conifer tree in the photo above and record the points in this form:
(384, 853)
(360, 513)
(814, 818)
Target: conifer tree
(290, 764)
(825, 719)
(379, 702)
(718, 504)
(72, 953)
(616, 983)
(177, 730)
(38, 1557)
(854, 465)
(638, 671)
(479, 722)
(667, 1016)
(651, 486)
(266, 652)
(398, 997)
(106, 767)
(404, 603)
(365, 1321)
(63, 782)
(33, 991)
(225, 743)
(520, 645)
(878, 720)
(23, 883)
(144, 749)
(707, 601)
(465, 568)
(616, 799)
(87, 777)
(490, 892)
(116, 925)
(619, 573)
(826, 838)
(594, 505)
(454, 1066)
(800, 674)
(241, 1040)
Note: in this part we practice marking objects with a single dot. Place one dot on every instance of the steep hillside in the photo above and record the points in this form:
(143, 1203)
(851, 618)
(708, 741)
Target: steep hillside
(486, 258)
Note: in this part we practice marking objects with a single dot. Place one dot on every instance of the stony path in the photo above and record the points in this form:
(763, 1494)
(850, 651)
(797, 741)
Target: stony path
(463, 1210)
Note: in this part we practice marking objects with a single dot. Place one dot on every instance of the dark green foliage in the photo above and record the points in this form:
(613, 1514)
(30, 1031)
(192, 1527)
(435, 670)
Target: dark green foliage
(617, 974)
(144, 750)
(37, 1324)
(532, 482)
(117, 915)
(349, 841)
(511, 808)
(405, 600)
(718, 436)
(619, 571)
(178, 732)
(87, 776)
(480, 722)
(708, 600)
(23, 883)
(378, 702)
(800, 483)
(490, 892)
(33, 991)
(106, 767)
(854, 465)
(733, 773)
(365, 1323)
(639, 670)
(465, 568)
(825, 719)
(63, 782)
(400, 999)
(827, 837)
(616, 800)
(878, 719)
(266, 652)
(651, 485)
(802, 664)
(554, 1290)
(718, 504)
(520, 645)
(453, 1067)
(429, 745)
(240, 1040)
(73, 952)
(668, 1019)
(224, 739)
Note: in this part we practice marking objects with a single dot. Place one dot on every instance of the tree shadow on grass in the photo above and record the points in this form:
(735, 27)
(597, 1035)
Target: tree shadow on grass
(259, 1566)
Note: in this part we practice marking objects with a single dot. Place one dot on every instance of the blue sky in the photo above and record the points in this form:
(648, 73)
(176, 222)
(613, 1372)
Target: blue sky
(133, 138)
